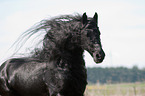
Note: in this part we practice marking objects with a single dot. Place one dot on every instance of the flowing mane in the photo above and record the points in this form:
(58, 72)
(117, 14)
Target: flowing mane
(58, 31)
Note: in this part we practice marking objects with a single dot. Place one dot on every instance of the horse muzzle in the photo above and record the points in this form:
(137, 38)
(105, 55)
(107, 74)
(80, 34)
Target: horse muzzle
(98, 56)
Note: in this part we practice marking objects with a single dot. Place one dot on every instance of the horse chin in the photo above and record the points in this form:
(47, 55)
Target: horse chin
(97, 61)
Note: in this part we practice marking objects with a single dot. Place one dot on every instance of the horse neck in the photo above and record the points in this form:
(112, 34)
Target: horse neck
(71, 57)
(66, 50)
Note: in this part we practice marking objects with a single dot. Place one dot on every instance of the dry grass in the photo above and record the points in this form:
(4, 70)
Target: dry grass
(125, 89)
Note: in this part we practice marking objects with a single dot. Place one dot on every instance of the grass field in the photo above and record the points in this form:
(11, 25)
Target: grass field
(124, 89)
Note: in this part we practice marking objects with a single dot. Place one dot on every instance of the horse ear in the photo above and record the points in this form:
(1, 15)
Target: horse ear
(84, 18)
(96, 18)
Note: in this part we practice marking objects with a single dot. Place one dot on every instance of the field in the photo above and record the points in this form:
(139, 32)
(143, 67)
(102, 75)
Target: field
(125, 89)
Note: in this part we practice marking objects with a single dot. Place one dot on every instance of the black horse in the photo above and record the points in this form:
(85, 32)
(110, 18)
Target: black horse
(58, 68)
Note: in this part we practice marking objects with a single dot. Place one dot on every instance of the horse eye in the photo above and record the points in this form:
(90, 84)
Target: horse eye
(91, 35)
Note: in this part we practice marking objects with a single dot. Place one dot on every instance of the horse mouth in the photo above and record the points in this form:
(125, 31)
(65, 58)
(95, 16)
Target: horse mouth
(98, 57)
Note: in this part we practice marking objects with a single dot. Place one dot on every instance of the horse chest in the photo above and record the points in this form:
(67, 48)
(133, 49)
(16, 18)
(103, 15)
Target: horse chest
(62, 79)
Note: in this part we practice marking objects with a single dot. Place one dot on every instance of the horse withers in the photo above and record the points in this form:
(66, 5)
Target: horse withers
(58, 67)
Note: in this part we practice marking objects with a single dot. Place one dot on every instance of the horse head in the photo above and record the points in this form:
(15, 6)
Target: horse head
(90, 38)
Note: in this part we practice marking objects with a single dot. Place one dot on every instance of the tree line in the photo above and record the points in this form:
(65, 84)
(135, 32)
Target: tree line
(115, 75)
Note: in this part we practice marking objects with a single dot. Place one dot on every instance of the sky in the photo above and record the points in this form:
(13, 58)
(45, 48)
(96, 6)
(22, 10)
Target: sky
(121, 22)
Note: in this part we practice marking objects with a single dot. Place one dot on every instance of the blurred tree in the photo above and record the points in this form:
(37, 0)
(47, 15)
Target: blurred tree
(115, 75)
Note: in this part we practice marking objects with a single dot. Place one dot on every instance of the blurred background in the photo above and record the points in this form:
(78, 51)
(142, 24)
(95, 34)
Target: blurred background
(122, 26)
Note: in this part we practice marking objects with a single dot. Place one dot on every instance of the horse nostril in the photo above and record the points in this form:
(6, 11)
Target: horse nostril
(98, 56)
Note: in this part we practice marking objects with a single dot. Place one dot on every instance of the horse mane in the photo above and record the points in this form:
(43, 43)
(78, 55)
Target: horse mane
(57, 30)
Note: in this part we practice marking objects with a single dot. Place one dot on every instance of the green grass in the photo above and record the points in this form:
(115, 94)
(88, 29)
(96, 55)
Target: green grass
(124, 89)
